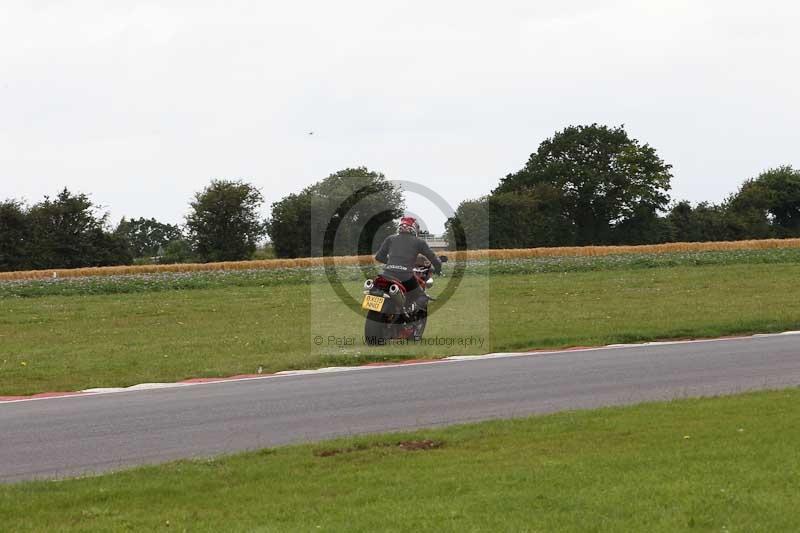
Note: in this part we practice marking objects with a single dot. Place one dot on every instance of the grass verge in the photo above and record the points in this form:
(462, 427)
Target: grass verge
(720, 464)
(265, 278)
(77, 342)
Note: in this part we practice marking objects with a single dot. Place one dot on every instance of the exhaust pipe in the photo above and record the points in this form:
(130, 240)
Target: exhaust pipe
(397, 295)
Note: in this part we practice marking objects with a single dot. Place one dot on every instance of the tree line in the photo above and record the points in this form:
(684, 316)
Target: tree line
(69, 231)
(595, 185)
(586, 185)
(345, 213)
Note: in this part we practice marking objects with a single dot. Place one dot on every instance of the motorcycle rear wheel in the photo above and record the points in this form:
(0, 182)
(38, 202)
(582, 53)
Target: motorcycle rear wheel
(376, 329)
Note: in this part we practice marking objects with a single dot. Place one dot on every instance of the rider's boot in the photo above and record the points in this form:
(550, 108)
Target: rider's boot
(422, 301)
(419, 298)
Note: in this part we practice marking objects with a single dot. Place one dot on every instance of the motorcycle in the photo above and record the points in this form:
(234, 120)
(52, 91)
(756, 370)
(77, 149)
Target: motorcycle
(390, 315)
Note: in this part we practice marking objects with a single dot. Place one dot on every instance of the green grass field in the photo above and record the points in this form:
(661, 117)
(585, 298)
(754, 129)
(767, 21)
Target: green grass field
(117, 332)
(722, 464)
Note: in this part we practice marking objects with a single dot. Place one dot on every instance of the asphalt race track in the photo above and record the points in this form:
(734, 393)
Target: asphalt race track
(62, 437)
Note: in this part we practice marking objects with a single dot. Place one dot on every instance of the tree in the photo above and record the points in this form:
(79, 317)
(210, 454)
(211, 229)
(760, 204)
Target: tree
(148, 237)
(643, 226)
(681, 223)
(67, 233)
(353, 211)
(469, 227)
(769, 205)
(603, 176)
(529, 219)
(15, 236)
(705, 222)
(525, 219)
(349, 212)
(177, 251)
(289, 227)
(224, 224)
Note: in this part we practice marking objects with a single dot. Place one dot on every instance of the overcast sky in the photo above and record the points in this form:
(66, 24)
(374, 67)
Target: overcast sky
(142, 104)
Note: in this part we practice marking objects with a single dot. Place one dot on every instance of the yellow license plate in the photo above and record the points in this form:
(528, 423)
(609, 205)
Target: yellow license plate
(372, 303)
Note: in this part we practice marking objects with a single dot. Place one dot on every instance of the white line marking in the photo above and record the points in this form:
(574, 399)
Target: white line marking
(337, 369)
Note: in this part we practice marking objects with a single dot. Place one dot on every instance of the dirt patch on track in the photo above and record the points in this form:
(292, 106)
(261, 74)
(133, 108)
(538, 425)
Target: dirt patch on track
(407, 445)
(414, 445)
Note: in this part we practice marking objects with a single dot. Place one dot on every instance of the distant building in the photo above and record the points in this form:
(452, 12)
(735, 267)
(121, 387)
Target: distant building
(436, 242)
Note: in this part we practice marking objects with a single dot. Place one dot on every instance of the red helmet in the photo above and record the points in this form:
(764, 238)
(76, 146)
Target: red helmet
(408, 225)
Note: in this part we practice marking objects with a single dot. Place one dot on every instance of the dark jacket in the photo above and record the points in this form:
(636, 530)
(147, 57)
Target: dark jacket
(399, 253)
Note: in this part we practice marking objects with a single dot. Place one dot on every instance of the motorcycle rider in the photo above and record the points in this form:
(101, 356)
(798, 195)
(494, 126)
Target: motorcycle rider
(399, 253)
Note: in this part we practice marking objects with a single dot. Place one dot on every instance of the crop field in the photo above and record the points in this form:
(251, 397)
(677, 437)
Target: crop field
(721, 464)
(78, 333)
(471, 255)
